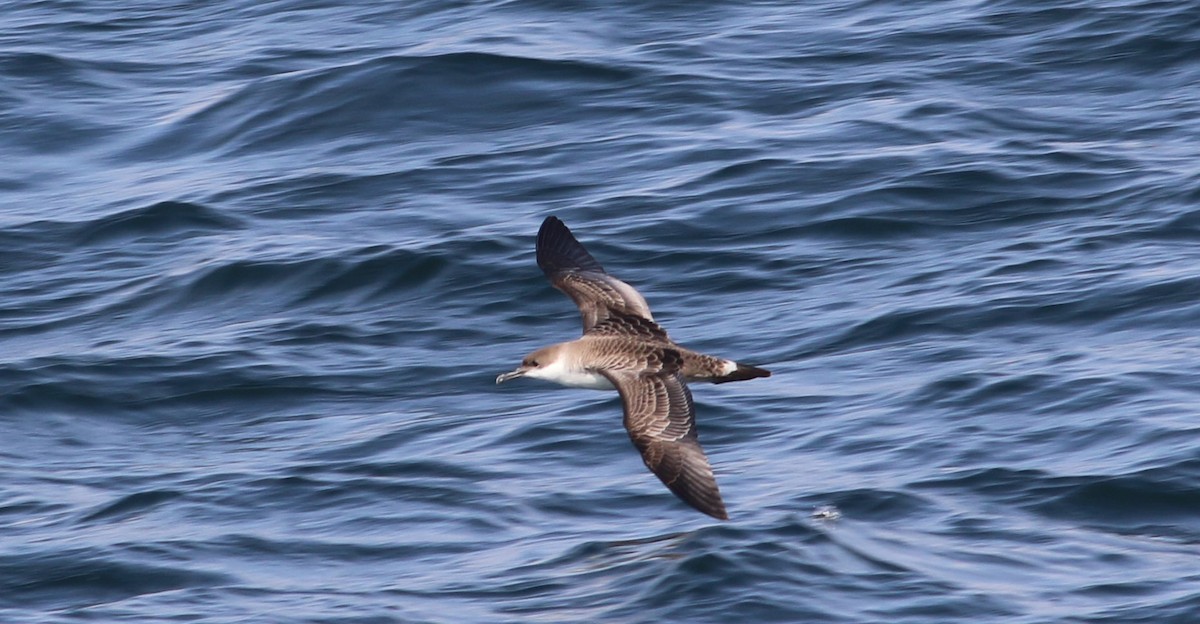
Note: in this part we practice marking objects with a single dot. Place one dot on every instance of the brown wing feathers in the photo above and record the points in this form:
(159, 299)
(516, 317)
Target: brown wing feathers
(660, 419)
(571, 269)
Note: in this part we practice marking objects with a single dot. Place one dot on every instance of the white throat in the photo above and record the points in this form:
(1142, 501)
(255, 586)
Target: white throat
(559, 373)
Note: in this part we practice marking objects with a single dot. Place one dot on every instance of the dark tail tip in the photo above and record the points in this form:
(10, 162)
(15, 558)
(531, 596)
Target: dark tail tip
(743, 372)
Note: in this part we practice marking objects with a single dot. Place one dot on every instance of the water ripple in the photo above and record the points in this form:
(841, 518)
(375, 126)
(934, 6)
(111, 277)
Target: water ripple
(262, 263)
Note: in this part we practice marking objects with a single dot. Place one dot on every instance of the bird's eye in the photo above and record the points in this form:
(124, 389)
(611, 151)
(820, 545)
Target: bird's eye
(533, 362)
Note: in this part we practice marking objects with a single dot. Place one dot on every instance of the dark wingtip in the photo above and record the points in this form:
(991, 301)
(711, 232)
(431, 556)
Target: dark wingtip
(557, 249)
(718, 513)
(696, 485)
(707, 503)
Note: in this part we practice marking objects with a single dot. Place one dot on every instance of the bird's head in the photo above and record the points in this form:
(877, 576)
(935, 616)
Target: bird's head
(534, 365)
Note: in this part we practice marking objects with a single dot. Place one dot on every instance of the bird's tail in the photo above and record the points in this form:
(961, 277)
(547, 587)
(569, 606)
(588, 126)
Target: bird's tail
(742, 372)
(701, 367)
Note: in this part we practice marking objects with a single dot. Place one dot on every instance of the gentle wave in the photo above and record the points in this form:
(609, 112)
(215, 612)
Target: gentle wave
(261, 263)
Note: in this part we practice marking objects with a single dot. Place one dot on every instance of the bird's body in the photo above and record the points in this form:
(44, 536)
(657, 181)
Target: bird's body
(623, 348)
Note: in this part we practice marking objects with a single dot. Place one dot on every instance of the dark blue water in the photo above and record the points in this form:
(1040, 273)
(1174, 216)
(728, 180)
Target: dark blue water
(262, 261)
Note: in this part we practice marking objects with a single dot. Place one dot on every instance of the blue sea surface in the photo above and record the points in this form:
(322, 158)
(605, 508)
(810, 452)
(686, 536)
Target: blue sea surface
(262, 261)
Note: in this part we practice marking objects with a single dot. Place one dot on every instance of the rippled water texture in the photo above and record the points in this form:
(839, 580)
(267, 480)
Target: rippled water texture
(262, 261)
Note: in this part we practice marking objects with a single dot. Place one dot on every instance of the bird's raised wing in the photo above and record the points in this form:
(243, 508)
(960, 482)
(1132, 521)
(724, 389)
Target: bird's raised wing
(571, 269)
(661, 421)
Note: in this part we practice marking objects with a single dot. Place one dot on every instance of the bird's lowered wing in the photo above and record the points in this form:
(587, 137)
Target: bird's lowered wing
(661, 421)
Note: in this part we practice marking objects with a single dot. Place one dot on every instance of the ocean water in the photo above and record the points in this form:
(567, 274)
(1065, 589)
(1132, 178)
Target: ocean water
(262, 261)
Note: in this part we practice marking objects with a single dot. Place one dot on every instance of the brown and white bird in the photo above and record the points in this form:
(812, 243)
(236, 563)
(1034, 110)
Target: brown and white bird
(623, 348)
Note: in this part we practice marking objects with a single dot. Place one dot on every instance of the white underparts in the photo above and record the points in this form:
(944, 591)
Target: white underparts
(571, 377)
